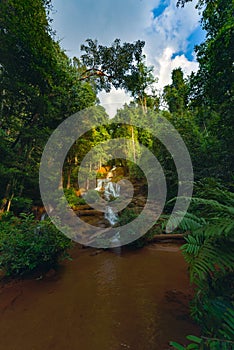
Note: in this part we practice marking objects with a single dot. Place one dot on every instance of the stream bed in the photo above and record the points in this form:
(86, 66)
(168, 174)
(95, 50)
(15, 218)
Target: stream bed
(102, 300)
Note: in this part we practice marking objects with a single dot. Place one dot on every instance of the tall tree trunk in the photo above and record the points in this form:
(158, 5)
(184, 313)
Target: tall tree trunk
(9, 202)
(6, 196)
(87, 179)
(69, 177)
(60, 185)
(133, 144)
(143, 103)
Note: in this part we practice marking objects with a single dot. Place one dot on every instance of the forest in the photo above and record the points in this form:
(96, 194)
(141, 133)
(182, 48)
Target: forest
(40, 87)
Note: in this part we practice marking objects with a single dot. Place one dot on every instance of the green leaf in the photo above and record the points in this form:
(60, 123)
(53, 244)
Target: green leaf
(192, 346)
(194, 338)
(177, 346)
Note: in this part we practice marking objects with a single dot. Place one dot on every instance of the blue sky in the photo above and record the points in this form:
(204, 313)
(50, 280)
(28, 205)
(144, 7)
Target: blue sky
(170, 33)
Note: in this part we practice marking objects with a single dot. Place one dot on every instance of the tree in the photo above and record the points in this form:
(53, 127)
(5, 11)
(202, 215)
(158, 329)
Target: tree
(139, 84)
(110, 66)
(212, 86)
(122, 66)
(83, 145)
(39, 87)
(176, 94)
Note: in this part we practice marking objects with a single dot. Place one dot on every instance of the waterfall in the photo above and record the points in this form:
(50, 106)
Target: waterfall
(111, 190)
(43, 217)
(100, 184)
(111, 216)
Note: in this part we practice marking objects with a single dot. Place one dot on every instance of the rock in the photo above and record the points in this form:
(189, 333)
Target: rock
(96, 252)
(89, 212)
(80, 192)
(102, 172)
(84, 207)
(50, 274)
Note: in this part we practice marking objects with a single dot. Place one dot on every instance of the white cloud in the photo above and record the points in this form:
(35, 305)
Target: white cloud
(167, 35)
(113, 100)
(129, 20)
(166, 65)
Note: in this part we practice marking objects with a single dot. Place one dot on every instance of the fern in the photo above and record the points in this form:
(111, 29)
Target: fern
(209, 252)
(210, 188)
(211, 256)
(228, 324)
(189, 222)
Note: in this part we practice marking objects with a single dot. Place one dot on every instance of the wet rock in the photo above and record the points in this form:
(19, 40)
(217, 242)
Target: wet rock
(99, 251)
(80, 192)
(51, 273)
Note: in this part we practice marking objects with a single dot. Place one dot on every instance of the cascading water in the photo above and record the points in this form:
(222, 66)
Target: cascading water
(111, 216)
(111, 190)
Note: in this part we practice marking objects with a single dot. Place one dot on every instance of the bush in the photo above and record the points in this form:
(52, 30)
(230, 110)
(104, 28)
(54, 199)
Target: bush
(27, 245)
(128, 215)
(92, 196)
(73, 200)
(21, 205)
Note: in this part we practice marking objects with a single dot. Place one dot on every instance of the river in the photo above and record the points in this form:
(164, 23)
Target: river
(102, 300)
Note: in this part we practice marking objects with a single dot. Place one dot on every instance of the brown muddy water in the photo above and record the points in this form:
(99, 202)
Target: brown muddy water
(137, 300)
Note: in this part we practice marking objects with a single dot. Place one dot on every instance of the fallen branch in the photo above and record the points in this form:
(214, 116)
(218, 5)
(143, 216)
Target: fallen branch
(168, 236)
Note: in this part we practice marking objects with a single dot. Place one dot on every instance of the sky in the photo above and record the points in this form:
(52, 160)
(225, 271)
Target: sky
(170, 34)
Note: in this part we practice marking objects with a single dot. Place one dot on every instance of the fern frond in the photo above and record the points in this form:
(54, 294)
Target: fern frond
(189, 222)
(220, 226)
(193, 245)
(215, 205)
(210, 188)
(212, 256)
(228, 324)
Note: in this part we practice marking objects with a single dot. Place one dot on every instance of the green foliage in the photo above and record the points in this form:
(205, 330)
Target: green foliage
(196, 345)
(211, 88)
(209, 252)
(204, 343)
(39, 87)
(110, 65)
(27, 245)
(73, 200)
(176, 94)
(138, 82)
(135, 172)
(126, 216)
(21, 205)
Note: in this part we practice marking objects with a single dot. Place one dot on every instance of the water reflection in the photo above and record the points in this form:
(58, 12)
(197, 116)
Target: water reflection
(102, 301)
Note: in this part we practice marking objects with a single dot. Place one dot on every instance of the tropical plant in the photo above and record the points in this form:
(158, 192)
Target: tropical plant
(209, 252)
(27, 245)
(203, 343)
